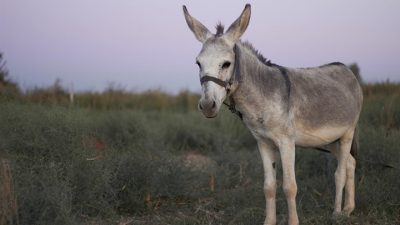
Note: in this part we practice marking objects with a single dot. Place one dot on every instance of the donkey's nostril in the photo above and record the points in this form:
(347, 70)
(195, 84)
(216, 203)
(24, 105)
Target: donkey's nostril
(213, 105)
(201, 107)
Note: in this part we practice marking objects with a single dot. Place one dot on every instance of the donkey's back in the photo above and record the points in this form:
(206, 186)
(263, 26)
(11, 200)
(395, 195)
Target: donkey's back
(326, 102)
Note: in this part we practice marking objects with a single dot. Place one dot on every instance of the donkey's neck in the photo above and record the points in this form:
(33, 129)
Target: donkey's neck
(260, 82)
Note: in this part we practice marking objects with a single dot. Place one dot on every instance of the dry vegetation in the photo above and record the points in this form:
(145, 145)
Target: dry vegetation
(152, 159)
(8, 204)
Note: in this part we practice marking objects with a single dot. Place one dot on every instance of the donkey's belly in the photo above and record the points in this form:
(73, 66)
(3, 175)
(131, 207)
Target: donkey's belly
(318, 137)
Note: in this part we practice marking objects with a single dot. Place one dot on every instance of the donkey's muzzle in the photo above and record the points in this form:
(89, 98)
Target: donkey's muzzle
(208, 107)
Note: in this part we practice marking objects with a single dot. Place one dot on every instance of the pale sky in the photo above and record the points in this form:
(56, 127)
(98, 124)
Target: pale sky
(144, 45)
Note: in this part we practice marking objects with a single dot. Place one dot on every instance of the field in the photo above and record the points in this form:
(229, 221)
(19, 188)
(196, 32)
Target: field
(106, 161)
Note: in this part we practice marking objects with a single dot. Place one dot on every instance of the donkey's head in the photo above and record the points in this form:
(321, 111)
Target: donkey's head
(216, 59)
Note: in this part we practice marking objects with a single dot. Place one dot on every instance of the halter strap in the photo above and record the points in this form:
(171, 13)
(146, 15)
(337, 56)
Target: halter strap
(220, 82)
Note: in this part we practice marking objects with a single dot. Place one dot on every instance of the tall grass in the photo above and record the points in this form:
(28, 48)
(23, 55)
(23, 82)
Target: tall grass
(113, 97)
(136, 164)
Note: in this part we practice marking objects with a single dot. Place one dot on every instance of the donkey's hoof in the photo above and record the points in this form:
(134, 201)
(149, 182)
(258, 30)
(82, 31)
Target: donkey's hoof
(347, 210)
(339, 216)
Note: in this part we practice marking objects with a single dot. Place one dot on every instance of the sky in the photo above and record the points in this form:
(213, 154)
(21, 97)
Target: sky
(141, 45)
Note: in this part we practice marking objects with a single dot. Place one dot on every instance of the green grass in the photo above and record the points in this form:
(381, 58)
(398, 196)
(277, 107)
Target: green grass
(142, 176)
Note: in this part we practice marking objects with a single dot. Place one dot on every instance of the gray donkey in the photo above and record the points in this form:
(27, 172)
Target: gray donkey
(283, 107)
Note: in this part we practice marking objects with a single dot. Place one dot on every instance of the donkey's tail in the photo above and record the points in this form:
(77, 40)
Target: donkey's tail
(355, 144)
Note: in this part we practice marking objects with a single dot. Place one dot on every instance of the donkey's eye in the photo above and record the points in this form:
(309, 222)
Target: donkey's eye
(198, 63)
(226, 65)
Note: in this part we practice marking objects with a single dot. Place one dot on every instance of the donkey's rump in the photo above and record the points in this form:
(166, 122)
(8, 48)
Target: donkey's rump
(326, 101)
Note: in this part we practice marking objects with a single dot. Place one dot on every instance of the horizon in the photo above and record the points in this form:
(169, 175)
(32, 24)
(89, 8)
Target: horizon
(143, 46)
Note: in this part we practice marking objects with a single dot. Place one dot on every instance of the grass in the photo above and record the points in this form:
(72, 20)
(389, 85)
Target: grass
(83, 165)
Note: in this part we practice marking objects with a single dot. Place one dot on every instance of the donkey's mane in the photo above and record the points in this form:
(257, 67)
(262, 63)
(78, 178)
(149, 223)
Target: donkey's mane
(220, 29)
(282, 70)
(260, 57)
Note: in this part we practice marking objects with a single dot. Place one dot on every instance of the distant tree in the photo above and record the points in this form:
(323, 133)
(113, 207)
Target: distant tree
(3, 70)
(356, 70)
(53, 94)
(57, 89)
(8, 88)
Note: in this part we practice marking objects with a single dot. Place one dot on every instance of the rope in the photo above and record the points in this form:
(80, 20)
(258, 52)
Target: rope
(232, 108)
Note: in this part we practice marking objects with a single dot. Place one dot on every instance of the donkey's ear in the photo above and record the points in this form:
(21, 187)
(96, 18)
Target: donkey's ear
(238, 27)
(200, 31)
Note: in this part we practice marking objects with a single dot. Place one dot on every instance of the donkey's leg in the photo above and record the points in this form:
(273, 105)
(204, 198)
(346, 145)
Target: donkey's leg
(340, 173)
(268, 157)
(349, 203)
(287, 152)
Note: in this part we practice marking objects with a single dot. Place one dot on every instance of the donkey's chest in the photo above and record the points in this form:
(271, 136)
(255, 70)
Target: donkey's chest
(267, 125)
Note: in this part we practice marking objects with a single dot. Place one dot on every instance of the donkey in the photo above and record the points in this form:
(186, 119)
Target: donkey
(282, 107)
